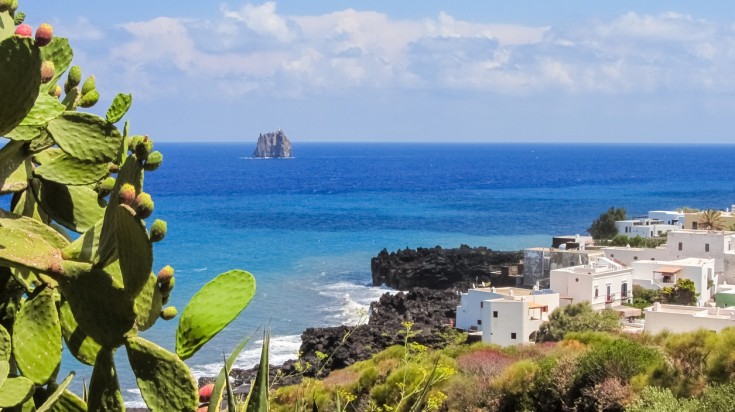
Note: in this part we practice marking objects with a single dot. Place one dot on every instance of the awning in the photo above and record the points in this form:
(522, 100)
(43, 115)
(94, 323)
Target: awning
(534, 305)
(668, 270)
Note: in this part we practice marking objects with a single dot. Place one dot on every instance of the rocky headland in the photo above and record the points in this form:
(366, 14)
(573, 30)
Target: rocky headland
(432, 277)
(439, 268)
(273, 145)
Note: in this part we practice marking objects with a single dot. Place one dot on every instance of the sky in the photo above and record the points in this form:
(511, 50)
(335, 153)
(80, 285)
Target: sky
(411, 70)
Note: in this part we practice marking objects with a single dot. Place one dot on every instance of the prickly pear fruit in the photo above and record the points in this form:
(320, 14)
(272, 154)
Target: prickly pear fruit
(113, 167)
(143, 205)
(47, 71)
(89, 85)
(56, 91)
(75, 76)
(24, 30)
(127, 194)
(154, 161)
(90, 99)
(169, 313)
(205, 392)
(158, 230)
(143, 148)
(104, 187)
(165, 275)
(44, 34)
(134, 141)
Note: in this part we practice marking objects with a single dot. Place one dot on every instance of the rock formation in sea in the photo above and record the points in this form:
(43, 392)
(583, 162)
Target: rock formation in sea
(273, 145)
(439, 268)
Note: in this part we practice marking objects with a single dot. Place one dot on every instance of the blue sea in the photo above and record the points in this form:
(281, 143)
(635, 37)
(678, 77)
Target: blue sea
(307, 227)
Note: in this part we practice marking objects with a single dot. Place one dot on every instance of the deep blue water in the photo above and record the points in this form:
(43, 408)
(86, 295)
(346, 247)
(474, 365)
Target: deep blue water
(307, 227)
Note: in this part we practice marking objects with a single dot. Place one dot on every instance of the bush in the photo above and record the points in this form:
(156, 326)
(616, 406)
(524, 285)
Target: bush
(578, 317)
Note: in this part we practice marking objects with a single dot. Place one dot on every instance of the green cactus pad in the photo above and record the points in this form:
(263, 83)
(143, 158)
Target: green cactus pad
(85, 136)
(134, 251)
(20, 61)
(56, 395)
(148, 304)
(165, 382)
(69, 402)
(4, 371)
(15, 391)
(89, 99)
(47, 155)
(25, 133)
(7, 25)
(37, 338)
(104, 388)
(102, 309)
(79, 344)
(71, 171)
(131, 172)
(85, 248)
(42, 142)
(59, 52)
(13, 172)
(211, 309)
(119, 107)
(89, 85)
(22, 245)
(5, 345)
(76, 208)
(44, 110)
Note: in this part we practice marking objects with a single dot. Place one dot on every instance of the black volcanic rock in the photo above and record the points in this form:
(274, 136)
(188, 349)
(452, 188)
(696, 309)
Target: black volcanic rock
(273, 145)
(439, 268)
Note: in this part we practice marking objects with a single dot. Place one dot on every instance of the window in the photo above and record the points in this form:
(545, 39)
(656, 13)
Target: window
(482, 305)
(680, 245)
(495, 313)
(513, 335)
(624, 290)
(597, 292)
(706, 247)
(694, 226)
(479, 322)
(635, 257)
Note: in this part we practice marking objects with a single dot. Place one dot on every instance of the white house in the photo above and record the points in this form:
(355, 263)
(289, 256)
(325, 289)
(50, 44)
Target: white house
(652, 274)
(539, 261)
(680, 319)
(686, 243)
(505, 316)
(604, 284)
(657, 223)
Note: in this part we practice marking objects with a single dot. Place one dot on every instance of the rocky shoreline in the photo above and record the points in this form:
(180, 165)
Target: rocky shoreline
(433, 278)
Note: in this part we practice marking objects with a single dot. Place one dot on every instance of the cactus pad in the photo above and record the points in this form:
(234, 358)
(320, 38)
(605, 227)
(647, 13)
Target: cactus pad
(15, 391)
(79, 344)
(211, 309)
(71, 171)
(37, 338)
(56, 395)
(20, 63)
(13, 175)
(165, 382)
(134, 251)
(5, 346)
(76, 208)
(103, 310)
(59, 52)
(85, 136)
(43, 111)
(104, 388)
(69, 402)
(25, 133)
(23, 246)
(119, 107)
(148, 304)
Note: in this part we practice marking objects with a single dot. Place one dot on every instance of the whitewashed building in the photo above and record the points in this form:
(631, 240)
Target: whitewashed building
(505, 316)
(660, 274)
(604, 284)
(657, 223)
(685, 243)
(680, 319)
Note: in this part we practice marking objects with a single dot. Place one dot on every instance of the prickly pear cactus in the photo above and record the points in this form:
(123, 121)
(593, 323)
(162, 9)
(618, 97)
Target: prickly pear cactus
(66, 170)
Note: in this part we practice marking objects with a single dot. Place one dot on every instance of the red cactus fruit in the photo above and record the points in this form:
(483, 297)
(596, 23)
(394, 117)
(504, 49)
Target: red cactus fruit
(205, 392)
(44, 34)
(127, 194)
(47, 71)
(24, 30)
(143, 205)
(165, 274)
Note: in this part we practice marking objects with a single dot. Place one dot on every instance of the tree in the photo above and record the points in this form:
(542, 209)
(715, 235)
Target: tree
(682, 293)
(577, 317)
(604, 226)
(710, 219)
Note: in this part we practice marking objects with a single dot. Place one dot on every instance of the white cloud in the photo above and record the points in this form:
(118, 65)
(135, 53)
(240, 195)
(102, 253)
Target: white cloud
(254, 49)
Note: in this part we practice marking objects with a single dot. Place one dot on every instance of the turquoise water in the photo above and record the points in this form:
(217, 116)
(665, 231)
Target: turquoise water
(307, 227)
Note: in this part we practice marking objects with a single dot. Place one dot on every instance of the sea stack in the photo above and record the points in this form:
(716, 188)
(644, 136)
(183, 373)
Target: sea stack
(273, 145)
